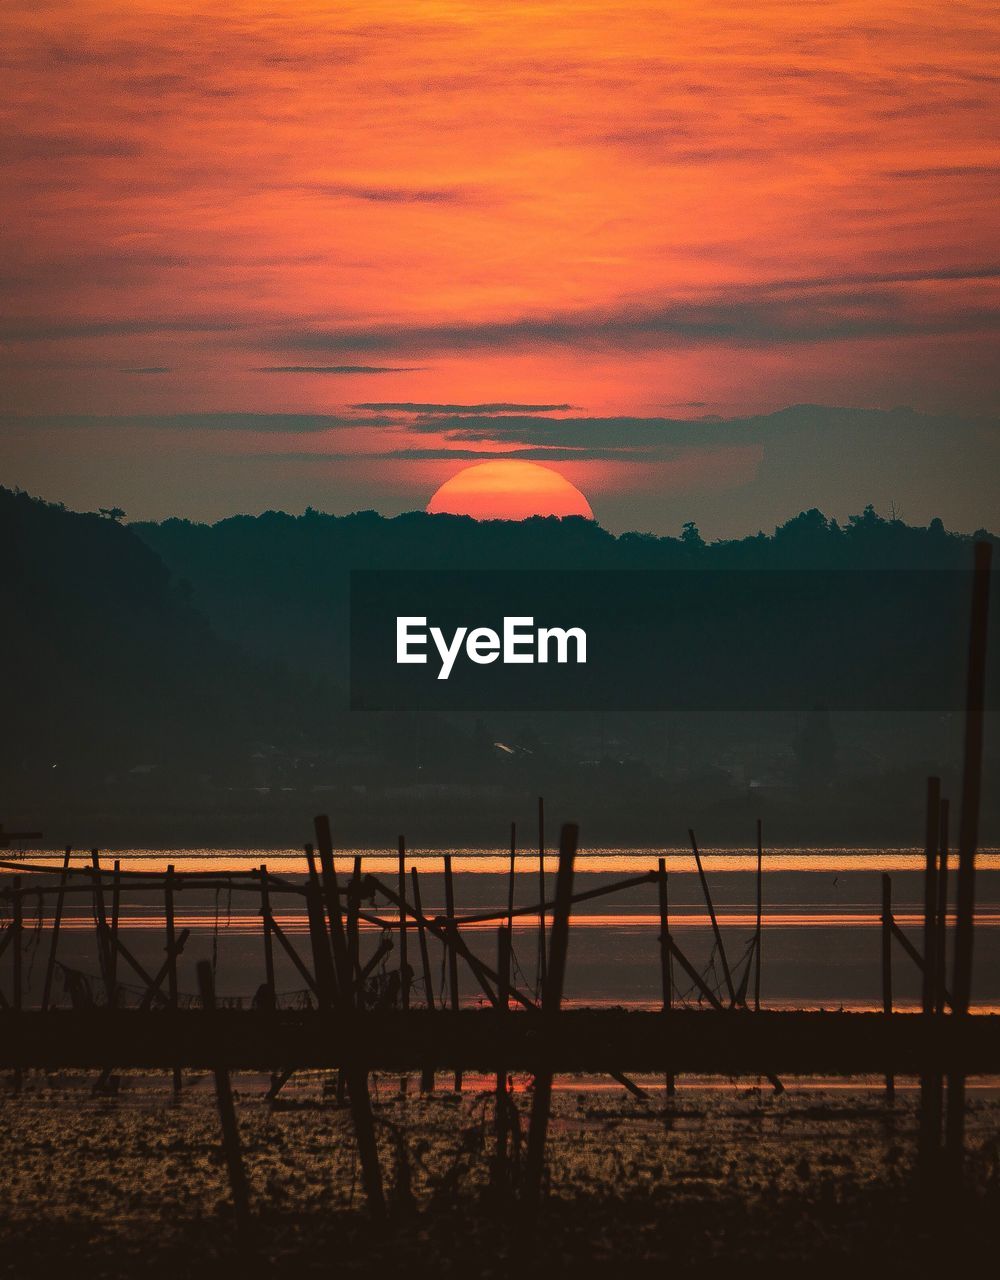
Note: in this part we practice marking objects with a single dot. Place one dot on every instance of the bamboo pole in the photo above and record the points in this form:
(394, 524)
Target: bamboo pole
(17, 925)
(404, 967)
(50, 966)
(116, 902)
(404, 964)
(942, 920)
(452, 931)
(103, 948)
(227, 1112)
(968, 834)
(293, 955)
(930, 1082)
(154, 986)
(353, 924)
(510, 880)
(168, 910)
(427, 1074)
(887, 922)
(320, 944)
(715, 923)
(451, 939)
(551, 1002)
(603, 891)
(153, 879)
(270, 1000)
(355, 1073)
(931, 840)
(268, 936)
(540, 982)
(335, 920)
(666, 960)
(760, 918)
(17, 955)
(500, 1100)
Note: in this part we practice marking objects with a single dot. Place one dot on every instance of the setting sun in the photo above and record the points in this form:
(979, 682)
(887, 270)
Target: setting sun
(509, 490)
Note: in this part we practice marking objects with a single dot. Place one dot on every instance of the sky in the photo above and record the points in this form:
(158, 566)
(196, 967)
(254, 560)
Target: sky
(708, 261)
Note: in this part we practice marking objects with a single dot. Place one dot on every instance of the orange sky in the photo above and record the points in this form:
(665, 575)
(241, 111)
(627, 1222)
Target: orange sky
(644, 210)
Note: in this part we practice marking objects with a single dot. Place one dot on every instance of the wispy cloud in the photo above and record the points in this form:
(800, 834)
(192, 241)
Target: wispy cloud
(255, 423)
(30, 329)
(754, 316)
(376, 194)
(410, 406)
(16, 147)
(342, 369)
(455, 455)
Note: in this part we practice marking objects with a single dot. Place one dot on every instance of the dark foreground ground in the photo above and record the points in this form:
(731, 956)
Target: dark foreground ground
(726, 1181)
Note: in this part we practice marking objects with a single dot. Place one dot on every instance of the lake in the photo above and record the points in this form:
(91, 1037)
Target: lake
(821, 938)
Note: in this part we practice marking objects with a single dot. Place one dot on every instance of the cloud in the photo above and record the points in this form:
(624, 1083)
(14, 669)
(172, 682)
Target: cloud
(946, 171)
(17, 147)
(376, 194)
(800, 428)
(27, 329)
(788, 312)
(344, 369)
(455, 455)
(259, 423)
(409, 406)
(625, 435)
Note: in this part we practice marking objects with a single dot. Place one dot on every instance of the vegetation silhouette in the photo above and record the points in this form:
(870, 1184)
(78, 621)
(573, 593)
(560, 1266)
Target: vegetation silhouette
(188, 681)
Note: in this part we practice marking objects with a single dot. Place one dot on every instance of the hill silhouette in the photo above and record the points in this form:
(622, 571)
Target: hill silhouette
(180, 683)
(274, 582)
(118, 688)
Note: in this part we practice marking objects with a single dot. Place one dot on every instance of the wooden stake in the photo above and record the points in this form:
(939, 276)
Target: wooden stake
(941, 950)
(404, 967)
(427, 1075)
(289, 950)
(760, 920)
(155, 984)
(17, 924)
(168, 910)
(510, 879)
(331, 895)
(265, 911)
(320, 943)
(931, 840)
(500, 1102)
(930, 1091)
(271, 1001)
(116, 899)
(17, 927)
(50, 967)
(666, 959)
(968, 835)
(890, 1082)
(449, 908)
(715, 923)
(968, 830)
(227, 1112)
(541, 897)
(551, 1002)
(355, 1071)
(103, 947)
(353, 925)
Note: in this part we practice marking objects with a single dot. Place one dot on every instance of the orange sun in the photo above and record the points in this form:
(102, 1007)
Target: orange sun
(509, 490)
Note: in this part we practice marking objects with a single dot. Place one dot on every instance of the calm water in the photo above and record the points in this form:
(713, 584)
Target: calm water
(821, 921)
